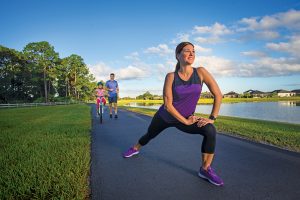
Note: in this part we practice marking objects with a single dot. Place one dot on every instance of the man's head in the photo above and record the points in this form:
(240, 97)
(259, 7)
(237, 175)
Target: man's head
(112, 76)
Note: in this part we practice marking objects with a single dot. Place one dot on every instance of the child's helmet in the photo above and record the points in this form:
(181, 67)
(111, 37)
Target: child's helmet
(100, 83)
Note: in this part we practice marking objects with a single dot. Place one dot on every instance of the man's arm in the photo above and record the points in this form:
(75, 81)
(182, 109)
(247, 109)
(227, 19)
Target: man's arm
(117, 88)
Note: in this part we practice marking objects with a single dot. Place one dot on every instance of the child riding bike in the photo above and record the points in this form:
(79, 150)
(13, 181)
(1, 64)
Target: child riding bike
(100, 93)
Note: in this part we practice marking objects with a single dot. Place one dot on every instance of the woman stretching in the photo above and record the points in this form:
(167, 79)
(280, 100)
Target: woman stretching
(181, 93)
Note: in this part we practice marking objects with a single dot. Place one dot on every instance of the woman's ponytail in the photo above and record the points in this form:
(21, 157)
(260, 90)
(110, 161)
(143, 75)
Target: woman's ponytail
(177, 66)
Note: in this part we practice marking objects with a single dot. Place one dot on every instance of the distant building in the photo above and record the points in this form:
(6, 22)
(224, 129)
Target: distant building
(231, 94)
(284, 93)
(297, 92)
(258, 93)
(255, 93)
(157, 97)
(206, 95)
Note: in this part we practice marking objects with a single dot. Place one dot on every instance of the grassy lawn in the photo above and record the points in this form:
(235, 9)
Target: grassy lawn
(45, 152)
(283, 135)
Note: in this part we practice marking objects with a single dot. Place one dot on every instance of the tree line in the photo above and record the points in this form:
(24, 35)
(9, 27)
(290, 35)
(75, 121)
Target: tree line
(38, 74)
(148, 96)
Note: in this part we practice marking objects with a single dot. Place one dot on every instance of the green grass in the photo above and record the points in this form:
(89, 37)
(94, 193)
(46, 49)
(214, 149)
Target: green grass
(45, 152)
(283, 135)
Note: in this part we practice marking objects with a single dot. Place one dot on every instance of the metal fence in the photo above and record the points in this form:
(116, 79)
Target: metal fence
(19, 105)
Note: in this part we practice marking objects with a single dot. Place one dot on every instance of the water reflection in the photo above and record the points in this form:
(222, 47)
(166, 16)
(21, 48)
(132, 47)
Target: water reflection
(289, 103)
(283, 111)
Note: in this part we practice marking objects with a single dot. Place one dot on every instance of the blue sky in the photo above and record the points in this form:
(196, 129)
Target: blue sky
(244, 44)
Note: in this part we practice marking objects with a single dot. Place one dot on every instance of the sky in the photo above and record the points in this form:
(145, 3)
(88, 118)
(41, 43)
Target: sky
(243, 44)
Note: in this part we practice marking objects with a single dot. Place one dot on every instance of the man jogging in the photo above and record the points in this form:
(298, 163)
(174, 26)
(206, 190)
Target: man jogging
(113, 90)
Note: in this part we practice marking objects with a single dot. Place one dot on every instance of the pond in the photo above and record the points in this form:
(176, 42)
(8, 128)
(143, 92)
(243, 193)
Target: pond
(281, 111)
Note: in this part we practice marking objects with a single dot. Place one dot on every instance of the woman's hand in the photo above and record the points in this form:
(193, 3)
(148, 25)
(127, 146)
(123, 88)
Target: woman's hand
(192, 119)
(203, 121)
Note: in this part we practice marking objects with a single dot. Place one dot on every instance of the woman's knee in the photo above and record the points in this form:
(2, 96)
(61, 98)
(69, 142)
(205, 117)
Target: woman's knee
(210, 131)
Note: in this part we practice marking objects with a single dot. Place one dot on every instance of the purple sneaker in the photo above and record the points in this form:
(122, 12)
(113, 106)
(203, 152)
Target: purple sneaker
(211, 176)
(130, 152)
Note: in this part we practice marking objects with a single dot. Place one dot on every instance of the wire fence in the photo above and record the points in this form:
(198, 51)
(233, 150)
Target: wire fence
(19, 105)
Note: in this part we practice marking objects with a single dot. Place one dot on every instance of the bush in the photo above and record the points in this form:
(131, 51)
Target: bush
(62, 99)
(39, 100)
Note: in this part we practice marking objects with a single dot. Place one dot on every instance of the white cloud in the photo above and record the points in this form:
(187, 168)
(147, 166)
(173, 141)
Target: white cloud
(201, 40)
(131, 72)
(262, 67)
(269, 66)
(282, 46)
(202, 49)
(163, 69)
(210, 34)
(161, 49)
(269, 22)
(181, 37)
(250, 24)
(289, 19)
(292, 46)
(133, 56)
(267, 35)
(255, 54)
(216, 29)
(208, 40)
(101, 71)
(216, 65)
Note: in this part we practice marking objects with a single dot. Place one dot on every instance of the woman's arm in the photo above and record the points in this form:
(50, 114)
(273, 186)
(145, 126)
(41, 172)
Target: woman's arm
(213, 87)
(168, 101)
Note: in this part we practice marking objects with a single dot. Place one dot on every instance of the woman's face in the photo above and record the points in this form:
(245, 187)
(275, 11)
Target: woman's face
(187, 54)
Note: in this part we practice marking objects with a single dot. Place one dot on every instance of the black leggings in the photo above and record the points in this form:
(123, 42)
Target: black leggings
(158, 125)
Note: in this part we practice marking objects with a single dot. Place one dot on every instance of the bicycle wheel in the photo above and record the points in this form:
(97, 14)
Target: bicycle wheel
(101, 114)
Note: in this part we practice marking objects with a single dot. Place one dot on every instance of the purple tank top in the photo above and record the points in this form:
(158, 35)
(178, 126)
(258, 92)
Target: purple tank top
(185, 96)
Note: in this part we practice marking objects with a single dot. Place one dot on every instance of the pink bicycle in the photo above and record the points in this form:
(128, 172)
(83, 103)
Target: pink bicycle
(100, 107)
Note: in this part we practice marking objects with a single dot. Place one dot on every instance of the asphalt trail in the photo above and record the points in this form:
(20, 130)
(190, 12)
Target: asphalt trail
(167, 167)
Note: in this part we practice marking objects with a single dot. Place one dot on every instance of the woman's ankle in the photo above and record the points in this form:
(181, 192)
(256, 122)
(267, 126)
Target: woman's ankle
(205, 167)
(137, 147)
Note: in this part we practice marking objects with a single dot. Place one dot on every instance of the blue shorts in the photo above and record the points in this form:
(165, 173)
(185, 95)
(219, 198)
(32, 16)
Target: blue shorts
(113, 99)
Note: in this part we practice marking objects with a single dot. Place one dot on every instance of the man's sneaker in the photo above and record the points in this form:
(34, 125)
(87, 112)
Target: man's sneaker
(116, 116)
(211, 176)
(130, 152)
(110, 115)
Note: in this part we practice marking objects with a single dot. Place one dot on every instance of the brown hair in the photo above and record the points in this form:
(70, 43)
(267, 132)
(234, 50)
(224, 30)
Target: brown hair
(178, 50)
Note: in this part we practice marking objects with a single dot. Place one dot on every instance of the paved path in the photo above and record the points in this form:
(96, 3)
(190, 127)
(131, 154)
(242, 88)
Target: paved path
(167, 167)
